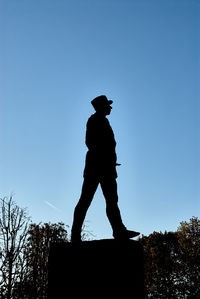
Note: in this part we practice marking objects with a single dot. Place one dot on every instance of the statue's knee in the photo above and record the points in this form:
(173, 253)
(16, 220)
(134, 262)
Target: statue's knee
(83, 204)
(112, 204)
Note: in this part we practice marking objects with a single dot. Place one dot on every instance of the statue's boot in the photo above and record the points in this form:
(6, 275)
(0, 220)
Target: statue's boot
(125, 234)
(75, 237)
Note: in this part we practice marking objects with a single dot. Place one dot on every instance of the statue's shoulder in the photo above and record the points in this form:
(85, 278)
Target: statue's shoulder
(92, 119)
(95, 119)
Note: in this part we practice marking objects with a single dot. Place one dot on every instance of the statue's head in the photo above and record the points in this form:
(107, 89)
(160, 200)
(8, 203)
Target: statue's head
(102, 105)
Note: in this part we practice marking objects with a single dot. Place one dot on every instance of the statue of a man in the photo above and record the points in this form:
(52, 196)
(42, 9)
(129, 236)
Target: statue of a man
(100, 168)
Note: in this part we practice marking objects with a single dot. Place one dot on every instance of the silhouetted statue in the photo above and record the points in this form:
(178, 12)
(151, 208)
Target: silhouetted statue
(100, 167)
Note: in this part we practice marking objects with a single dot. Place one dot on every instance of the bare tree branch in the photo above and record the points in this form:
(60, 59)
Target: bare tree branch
(13, 234)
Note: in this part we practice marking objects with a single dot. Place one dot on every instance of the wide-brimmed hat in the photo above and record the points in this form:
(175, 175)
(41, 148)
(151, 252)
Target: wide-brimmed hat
(100, 101)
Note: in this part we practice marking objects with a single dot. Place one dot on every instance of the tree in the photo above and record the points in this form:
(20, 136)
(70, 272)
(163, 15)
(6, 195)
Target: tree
(189, 246)
(161, 254)
(172, 262)
(14, 224)
(40, 236)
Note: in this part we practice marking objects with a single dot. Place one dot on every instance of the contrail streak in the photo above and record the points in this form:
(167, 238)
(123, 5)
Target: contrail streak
(52, 206)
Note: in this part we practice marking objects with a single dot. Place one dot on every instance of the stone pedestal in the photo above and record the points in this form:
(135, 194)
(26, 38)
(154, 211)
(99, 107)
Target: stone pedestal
(96, 269)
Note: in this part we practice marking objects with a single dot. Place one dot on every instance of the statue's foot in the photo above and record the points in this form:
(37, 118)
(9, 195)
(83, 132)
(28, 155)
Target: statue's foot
(76, 238)
(125, 234)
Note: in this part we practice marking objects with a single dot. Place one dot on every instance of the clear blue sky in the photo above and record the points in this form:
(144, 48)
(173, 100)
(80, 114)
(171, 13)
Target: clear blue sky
(56, 56)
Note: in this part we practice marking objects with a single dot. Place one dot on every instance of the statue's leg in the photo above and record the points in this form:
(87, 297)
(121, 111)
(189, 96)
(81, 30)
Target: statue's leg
(109, 188)
(88, 190)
